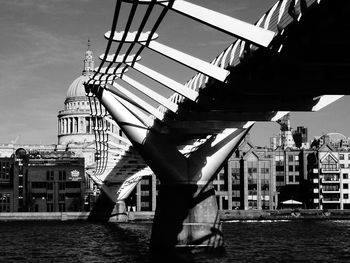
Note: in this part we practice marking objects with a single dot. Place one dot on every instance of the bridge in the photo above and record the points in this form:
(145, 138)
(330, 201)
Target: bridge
(294, 58)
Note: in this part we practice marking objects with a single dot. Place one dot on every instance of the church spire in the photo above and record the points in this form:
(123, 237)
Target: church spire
(88, 61)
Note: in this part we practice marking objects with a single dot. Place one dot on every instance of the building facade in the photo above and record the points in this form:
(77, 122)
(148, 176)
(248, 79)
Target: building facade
(42, 182)
(247, 179)
(331, 173)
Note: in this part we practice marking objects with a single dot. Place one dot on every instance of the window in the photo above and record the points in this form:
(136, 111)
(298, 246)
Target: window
(291, 178)
(252, 192)
(345, 176)
(331, 188)
(279, 168)
(342, 165)
(279, 178)
(61, 186)
(341, 156)
(252, 203)
(252, 170)
(62, 175)
(265, 185)
(50, 186)
(265, 170)
(49, 197)
(73, 185)
(4, 170)
(290, 168)
(279, 158)
(38, 184)
(61, 197)
(49, 207)
(5, 201)
(345, 186)
(346, 196)
(296, 157)
(62, 207)
(329, 167)
(49, 175)
(20, 192)
(297, 168)
(290, 158)
(235, 172)
(331, 177)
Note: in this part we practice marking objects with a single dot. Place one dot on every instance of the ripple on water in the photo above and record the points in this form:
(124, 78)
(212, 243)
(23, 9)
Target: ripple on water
(292, 241)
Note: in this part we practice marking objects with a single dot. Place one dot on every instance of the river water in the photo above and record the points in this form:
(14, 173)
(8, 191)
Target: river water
(280, 241)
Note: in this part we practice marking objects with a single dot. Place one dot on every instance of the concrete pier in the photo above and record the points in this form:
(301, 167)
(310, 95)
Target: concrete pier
(186, 218)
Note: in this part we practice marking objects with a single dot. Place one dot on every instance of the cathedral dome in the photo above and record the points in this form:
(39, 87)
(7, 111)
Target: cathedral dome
(77, 89)
(74, 121)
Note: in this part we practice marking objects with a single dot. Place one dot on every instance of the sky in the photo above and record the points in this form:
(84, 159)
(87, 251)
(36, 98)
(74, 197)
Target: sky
(42, 49)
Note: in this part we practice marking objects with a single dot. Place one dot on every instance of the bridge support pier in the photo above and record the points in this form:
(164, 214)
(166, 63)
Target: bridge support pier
(103, 208)
(119, 213)
(186, 219)
(186, 213)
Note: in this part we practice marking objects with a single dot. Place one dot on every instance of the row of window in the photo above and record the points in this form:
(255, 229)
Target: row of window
(330, 167)
(50, 175)
(334, 187)
(342, 156)
(61, 185)
(78, 103)
(291, 158)
(49, 207)
(49, 196)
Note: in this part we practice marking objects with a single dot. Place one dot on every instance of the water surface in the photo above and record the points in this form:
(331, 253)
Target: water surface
(281, 241)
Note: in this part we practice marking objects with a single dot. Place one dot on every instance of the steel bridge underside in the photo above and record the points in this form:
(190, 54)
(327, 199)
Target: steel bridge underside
(304, 68)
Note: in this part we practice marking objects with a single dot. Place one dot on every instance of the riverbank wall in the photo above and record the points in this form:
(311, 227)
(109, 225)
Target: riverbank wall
(285, 214)
(43, 216)
(225, 215)
(66, 216)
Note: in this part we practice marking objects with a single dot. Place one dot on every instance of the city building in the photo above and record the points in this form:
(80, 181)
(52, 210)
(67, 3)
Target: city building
(143, 197)
(75, 133)
(247, 179)
(42, 182)
(51, 177)
(265, 178)
(331, 175)
(75, 126)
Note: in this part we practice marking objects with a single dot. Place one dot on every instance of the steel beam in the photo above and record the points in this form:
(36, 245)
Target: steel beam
(151, 94)
(164, 80)
(176, 55)
(142, 104)
(221, 22)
